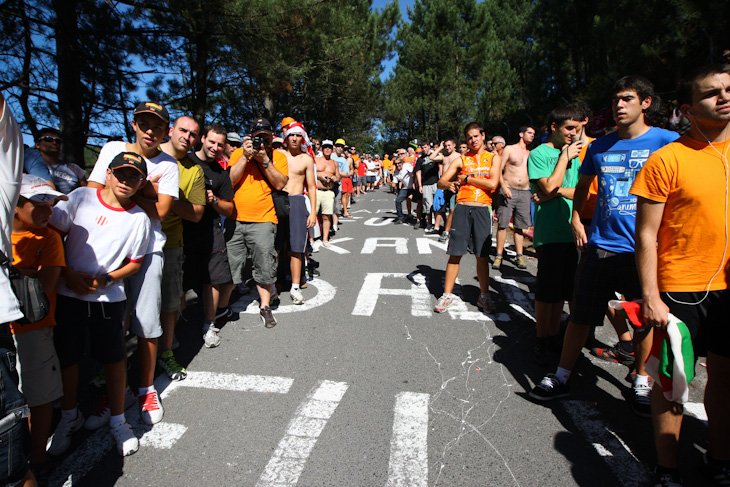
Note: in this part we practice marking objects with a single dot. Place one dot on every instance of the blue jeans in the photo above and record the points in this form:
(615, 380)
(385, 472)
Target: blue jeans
(13, 408)
(402, 195)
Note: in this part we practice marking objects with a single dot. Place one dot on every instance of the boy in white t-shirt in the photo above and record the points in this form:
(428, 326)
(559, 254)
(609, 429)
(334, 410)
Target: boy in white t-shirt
(107, 237)
(144, 292)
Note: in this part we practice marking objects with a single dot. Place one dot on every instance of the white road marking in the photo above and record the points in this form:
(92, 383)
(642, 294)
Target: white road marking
(400, 244)
(379, 221)
(408, 465)
(361, 211)
(289, 458)
(371, 290)
(617, 455)
(325, 293)
(334, 248)
(161, 435)
(424, 245)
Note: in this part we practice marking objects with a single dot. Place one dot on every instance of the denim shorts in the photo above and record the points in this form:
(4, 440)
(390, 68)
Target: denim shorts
(13, 462)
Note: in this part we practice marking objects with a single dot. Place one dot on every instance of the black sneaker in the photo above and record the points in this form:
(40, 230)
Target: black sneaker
(715, 471)
(614, 354)
(541, 354)
(549, 388)
(267, 317)
(666, 479)
(641, 400)
(224, 317)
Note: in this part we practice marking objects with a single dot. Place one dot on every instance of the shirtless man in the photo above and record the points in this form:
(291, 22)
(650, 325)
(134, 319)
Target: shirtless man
(301, 169)
(449, 196)
(514, 195)
(328, 174)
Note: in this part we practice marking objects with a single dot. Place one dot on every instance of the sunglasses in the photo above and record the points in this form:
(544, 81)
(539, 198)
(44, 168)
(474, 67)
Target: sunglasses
(48, 138)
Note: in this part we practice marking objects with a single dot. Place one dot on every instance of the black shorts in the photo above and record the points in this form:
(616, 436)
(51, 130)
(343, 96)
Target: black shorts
(105, 322)
(298, 215)
(600, 275)
(415, 195)
(206, 262)
(556, 265)
(707, 320)
(471, 224)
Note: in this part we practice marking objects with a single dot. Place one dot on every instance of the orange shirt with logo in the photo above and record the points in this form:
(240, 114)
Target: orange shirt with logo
(475, 166)
(252, 197)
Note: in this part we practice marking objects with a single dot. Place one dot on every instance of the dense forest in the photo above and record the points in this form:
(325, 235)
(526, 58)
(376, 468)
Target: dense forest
(82, 65)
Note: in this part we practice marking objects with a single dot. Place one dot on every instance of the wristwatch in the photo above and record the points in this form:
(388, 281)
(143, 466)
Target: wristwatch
(215, 200)
(265, 164)
(109, 280)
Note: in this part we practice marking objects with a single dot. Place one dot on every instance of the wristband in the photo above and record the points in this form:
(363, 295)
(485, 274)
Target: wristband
(109, 280)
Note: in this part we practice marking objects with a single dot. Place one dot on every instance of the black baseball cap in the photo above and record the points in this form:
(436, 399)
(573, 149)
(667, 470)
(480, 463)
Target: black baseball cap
(130, 159)
(153, 108)
(261, 125)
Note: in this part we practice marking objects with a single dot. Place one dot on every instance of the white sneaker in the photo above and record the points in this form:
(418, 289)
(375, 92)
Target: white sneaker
(326, 244)
(210, 336)
(336, 228)
(101, 415)
(150, 408)
(296, 296)
(127, 442)
(61, 439)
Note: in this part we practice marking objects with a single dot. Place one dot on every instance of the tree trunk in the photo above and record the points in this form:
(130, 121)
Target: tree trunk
(70, 92)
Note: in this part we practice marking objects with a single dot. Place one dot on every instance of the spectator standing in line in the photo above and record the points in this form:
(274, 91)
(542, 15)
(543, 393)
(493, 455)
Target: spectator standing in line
(45, 162)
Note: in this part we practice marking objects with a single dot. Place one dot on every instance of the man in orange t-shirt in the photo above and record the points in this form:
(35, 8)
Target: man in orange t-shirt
(254, 170)
(681, 251)
(476, 177)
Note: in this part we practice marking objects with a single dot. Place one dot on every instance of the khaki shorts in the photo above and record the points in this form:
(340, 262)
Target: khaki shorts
(255, 240)
(325, 201)
(38, 366)
(172, 279)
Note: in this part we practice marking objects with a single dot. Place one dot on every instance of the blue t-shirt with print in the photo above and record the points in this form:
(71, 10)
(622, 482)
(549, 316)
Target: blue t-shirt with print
(616, 162)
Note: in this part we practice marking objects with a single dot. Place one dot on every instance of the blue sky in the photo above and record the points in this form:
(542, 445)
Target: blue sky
(378, 5)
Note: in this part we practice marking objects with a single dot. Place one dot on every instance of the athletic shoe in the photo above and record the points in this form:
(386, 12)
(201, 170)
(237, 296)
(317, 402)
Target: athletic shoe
(274, 300)
(127, 443)
(210, 336)
(224, 317)
(444, 237)
(614, 354)
(101, 415)
(398, 222)
(61, 438)
(541, 352)
(173, 369)
(667, 479)
(716, 471)
(432, 231)
(520, 262)
(327, 244)
(336, 228)
(485, 303)
(549, 388)
(641, 401)
(267, 317)
(296, 296)
(497, 262)
(445, 301)
(98, 382)
(150, 407)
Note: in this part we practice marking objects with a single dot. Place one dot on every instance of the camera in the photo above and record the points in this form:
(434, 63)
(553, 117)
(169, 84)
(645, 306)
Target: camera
(258, 142)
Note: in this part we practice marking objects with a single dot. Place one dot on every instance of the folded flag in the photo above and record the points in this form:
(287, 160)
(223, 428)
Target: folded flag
(671, 361)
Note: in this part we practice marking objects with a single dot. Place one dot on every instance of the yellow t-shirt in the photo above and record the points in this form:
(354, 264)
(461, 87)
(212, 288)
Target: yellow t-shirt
(192, 190)
(689, 177)
(252, 193)
(34, 249)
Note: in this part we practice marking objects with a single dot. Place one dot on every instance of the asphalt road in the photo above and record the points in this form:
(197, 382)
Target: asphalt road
(365, 386)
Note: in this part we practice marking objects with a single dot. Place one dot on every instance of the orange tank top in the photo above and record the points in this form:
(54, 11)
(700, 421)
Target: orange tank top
(475, 166)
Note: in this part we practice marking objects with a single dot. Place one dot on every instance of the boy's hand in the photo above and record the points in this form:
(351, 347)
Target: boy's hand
(79, 282)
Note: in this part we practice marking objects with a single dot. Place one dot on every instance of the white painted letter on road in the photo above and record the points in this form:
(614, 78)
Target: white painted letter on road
(372, 289)
(400, 244)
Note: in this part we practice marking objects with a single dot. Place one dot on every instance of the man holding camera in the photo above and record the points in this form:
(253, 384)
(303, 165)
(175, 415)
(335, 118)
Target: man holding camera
(206, 262)
(254, 171)
(328, 175)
